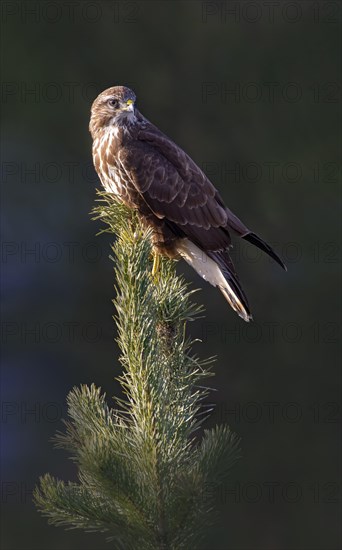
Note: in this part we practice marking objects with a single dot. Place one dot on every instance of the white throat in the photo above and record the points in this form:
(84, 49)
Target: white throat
(124, 119)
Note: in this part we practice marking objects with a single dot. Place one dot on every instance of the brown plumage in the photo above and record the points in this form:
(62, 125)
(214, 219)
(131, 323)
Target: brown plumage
(148, 172)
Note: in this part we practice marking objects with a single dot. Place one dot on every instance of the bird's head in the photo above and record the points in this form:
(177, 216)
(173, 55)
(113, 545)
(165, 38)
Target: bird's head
(113, 107)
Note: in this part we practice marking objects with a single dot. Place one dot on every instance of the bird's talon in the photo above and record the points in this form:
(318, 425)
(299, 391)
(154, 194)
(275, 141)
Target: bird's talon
(156, 263)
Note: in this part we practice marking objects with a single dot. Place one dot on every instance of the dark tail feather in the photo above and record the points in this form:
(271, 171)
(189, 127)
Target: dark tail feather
(232, 291)
(257, 241)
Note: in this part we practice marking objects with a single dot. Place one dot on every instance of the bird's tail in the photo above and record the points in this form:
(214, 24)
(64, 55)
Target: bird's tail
(217, 268)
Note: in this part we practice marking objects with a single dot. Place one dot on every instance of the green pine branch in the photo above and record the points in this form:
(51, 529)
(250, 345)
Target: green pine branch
(143, 471)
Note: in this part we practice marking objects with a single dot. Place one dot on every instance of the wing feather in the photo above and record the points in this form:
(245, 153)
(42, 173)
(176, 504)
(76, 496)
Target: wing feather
(176, 189)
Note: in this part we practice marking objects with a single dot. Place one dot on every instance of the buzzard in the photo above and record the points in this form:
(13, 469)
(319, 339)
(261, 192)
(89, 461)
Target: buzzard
(150, 173)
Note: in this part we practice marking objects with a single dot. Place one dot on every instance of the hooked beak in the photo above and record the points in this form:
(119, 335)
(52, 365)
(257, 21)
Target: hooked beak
(129, 105)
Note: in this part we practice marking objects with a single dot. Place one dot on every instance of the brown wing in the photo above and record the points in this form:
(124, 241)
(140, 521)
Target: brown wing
(176, 189)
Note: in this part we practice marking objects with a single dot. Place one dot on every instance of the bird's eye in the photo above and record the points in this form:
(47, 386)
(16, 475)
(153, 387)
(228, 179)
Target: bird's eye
(113, 102)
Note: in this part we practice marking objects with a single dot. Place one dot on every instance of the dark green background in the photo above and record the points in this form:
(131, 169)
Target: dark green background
(55, 59)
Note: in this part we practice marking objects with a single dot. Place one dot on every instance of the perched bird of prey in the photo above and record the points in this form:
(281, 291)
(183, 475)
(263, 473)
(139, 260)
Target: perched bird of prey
(147, 171)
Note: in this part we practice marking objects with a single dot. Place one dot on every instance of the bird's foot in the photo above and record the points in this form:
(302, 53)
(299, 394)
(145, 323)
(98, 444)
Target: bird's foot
(156, 264)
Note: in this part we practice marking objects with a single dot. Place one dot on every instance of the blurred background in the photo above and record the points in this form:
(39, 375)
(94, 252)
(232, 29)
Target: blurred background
(252, 91)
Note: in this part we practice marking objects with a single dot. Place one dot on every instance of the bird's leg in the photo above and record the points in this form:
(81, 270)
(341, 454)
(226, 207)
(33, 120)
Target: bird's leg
(156, 263)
